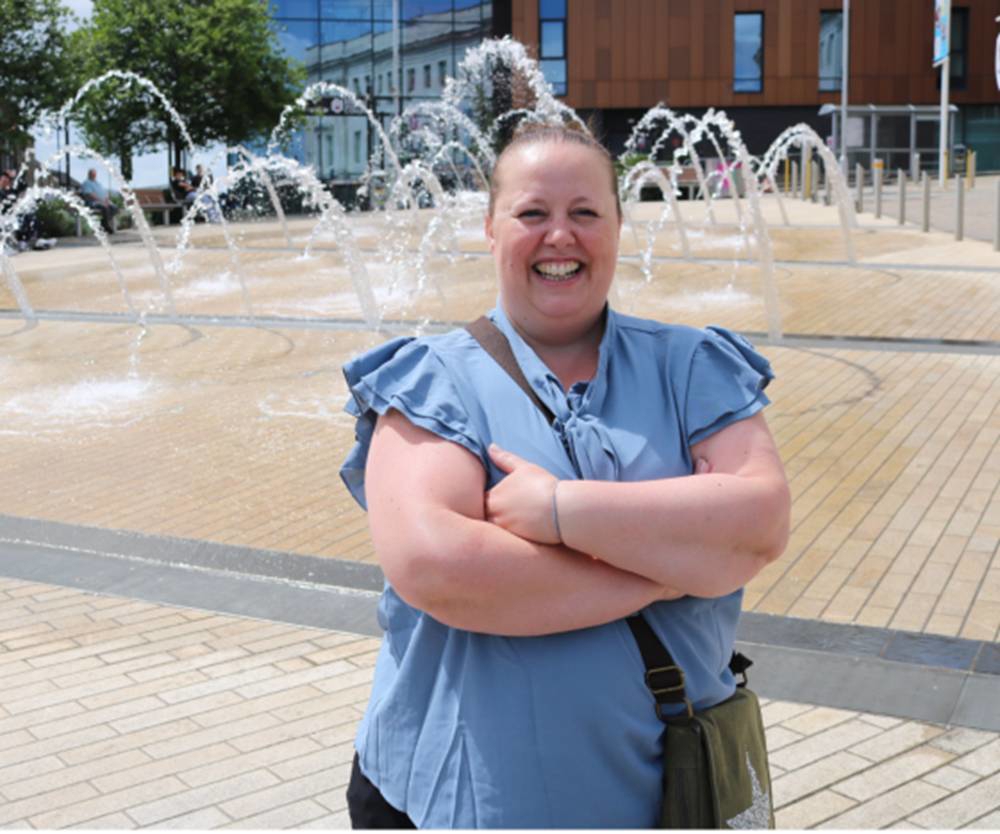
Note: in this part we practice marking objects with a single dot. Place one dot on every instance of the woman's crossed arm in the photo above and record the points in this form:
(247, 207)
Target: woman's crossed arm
(426, 512)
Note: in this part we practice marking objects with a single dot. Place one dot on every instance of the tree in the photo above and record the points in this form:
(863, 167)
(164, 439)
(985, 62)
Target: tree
(34, 66)
(217, 62)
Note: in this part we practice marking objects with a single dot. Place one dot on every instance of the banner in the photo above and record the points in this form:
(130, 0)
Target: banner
(942, 30)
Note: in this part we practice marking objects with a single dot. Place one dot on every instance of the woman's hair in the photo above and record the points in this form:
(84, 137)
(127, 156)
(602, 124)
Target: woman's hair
(532, 133)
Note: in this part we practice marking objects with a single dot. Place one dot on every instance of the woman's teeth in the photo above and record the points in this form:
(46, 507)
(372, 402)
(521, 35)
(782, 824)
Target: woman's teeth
(559, 271)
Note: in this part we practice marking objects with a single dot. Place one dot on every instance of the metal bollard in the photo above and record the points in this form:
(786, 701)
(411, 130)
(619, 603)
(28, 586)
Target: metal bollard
(970, 169)
(915, 166)
(788, 169)
(795, 178)
(927, 202)
(859, 184)
(996, 220)
(902, 196)
(959, 208)
(877, 175)
(807, 172)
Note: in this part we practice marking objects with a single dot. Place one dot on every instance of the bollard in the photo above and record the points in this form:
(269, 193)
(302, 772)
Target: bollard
(915, 166)
(814, 191)
(959, 208)
(807, 170)
(902, 196)
(788, 169)
(859, 184)
(970, 169)
(877, 176)
(927, 202)
(795, 178)
(996, 219)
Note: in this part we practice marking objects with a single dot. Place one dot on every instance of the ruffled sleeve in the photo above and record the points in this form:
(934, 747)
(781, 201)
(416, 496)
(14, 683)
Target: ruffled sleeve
(726, 383)
(404, 374)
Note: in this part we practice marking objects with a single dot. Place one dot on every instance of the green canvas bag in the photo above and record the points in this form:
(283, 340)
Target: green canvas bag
(715, 771)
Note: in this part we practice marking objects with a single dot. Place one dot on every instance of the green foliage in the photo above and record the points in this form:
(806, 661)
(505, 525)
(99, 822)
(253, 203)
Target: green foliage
(34, 65)
(217, 62)
(626, 163)
(55, 219)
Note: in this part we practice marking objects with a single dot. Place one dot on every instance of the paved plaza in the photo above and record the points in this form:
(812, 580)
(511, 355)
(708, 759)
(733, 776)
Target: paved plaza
(187, 591)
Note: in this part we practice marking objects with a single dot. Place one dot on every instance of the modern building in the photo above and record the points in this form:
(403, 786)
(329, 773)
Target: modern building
(389, 53)
(768, 63)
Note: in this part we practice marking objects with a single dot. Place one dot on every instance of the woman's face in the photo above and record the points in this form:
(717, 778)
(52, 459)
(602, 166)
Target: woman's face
(554, 237)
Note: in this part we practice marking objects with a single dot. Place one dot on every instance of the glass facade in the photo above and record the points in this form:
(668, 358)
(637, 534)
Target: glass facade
(831, 50)
(389, 53)
(748, 52)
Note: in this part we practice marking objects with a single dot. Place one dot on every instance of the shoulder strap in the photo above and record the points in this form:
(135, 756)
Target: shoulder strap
(492, 340)
(664, 678)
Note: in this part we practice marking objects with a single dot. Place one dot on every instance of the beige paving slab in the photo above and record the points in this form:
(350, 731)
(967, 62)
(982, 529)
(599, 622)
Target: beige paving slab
(284, 757)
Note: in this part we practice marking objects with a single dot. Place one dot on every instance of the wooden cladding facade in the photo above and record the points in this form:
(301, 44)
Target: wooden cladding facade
(635, 53)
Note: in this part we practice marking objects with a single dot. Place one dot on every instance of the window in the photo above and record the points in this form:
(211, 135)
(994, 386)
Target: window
(357, 86)
(959, 47)
(442, 73)
(831, 50)
(748, 52)
(427, 77)
(368, 84)
(411, 80)
(357, 146)
(378, 84)
(552, 43)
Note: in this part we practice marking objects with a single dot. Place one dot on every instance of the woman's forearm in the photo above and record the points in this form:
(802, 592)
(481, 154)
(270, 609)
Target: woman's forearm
(483, 578)
(705, 535)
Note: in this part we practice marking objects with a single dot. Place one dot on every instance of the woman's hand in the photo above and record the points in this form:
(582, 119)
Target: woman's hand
(522, 503)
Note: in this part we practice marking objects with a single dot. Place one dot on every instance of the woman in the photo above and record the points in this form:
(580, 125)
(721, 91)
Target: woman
(509, 691)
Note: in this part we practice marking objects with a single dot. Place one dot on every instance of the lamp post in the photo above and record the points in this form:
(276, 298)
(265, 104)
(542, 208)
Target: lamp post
(845, 75)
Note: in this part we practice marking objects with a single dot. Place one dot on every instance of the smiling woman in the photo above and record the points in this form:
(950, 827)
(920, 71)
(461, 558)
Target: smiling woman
(509, 692)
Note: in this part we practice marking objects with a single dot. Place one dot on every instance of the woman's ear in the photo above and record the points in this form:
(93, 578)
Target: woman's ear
(488, 227)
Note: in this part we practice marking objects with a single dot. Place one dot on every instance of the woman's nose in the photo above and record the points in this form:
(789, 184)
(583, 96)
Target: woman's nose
(559, 233)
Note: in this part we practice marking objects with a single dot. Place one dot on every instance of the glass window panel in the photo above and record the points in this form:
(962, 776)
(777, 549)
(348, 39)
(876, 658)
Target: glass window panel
(471, 4)
(831, 50)
(748, 52)
(553, 39)
(338, 31)
(551, 8)
(295, 8)
(422, 35)
(555, 74)
(410, 9)
(299, 39)
(959, 45)
(356, 9)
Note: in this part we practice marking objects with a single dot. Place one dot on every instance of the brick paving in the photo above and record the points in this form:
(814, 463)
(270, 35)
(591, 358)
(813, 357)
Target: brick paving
(116, 713)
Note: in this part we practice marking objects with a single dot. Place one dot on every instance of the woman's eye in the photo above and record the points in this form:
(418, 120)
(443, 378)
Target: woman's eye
(586, 212)
(529, 213)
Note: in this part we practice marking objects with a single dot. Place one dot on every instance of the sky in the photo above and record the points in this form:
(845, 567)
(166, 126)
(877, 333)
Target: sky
(148, 169)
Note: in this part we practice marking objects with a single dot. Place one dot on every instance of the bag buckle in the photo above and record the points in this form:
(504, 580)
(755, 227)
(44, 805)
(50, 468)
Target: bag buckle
(667, 685)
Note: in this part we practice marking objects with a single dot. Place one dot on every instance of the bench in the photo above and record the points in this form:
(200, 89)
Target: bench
(152, 200)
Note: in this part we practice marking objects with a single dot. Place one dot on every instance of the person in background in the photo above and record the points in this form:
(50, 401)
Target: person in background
(97, 198)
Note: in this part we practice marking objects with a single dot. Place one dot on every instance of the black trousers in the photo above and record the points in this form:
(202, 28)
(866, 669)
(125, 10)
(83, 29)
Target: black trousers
(367, 806)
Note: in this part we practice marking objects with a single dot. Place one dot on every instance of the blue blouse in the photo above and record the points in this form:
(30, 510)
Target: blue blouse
(471, 730)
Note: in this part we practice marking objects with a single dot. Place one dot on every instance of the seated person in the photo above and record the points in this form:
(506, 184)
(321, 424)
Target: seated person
(26, 234)
(181, 188)
(96, 197)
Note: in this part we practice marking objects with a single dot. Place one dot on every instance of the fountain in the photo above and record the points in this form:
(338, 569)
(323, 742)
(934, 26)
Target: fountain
(426, 183)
